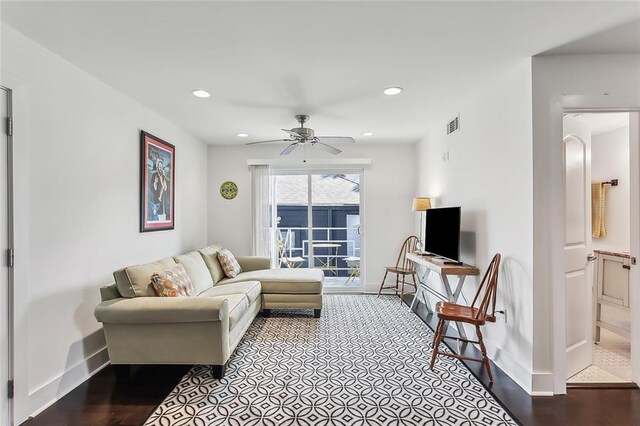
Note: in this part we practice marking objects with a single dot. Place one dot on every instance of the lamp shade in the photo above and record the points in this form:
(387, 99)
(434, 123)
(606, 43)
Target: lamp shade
(421, 204)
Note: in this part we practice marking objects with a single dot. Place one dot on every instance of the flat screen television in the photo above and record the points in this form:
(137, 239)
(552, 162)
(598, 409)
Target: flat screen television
(442, 232)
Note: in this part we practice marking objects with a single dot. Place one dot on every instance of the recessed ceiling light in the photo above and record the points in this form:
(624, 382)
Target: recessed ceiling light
(367, 134)
(393, 90)
(199, 93)
(242, 135)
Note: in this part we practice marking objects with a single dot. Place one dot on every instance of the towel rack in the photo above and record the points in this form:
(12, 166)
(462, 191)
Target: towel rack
(612, 182)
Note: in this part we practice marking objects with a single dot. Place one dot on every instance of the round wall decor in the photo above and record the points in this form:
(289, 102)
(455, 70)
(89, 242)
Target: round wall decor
(228, 190)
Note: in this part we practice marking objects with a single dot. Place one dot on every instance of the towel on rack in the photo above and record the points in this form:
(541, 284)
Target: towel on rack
(598, 197)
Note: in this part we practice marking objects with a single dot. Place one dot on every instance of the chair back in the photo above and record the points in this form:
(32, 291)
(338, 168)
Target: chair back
(409, 246)
(490, 285)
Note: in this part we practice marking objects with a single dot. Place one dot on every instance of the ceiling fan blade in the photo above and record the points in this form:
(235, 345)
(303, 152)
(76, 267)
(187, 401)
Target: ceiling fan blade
(275, 140)
(328, 148)
(293, 134)
(290, 148)
(335, 139)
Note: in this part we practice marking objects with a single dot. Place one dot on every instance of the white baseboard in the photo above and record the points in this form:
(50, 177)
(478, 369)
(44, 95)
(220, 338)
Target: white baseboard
(542, 384)
(541, 393)
(43, 397)
(516, 371)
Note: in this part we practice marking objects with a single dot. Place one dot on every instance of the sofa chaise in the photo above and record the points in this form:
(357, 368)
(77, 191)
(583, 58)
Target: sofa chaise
(141, 328)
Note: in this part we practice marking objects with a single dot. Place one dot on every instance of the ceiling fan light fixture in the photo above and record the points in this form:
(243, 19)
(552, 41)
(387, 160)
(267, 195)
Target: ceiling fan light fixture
(306, 136)
(200, 93)
(242, 135)
(368, 134)
(391, 91)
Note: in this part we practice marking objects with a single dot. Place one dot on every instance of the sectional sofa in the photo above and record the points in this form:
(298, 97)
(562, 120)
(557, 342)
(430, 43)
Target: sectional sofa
(141, 328)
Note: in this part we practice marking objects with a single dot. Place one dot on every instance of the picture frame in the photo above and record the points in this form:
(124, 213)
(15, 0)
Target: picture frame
(157, 183)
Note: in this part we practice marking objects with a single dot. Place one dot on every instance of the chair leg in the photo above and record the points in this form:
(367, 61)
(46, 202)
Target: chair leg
(382, 285)
(415, 282)
(402, 288)
(436, 343)
(485, 360)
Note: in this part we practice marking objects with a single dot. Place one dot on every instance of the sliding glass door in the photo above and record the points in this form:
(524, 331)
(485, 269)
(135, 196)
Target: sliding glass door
(317, 224)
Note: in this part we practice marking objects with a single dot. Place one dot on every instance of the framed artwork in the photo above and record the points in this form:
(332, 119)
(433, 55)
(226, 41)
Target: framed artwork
(157, 183)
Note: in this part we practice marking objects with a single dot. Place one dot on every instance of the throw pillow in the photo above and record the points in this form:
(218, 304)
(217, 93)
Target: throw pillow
(229, 264)
(172, 282)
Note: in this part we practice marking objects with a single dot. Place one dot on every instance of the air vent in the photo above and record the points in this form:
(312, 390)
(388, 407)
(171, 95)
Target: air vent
(453, 125)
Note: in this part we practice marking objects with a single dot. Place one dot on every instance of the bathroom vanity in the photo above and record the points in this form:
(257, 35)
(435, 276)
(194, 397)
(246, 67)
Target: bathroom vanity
(611, 289)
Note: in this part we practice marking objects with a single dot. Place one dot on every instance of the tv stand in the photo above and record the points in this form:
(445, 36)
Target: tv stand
(443, 268)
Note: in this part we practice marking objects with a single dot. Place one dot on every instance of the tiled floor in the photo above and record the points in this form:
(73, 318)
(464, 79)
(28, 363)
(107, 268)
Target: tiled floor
(611, 361)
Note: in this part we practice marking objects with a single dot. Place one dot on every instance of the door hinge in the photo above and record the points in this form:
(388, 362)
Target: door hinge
(633, 260)
(10, 258)
(9, 126)
(10, 389)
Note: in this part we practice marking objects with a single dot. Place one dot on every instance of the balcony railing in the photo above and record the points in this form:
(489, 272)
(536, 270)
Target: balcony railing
(329, 255)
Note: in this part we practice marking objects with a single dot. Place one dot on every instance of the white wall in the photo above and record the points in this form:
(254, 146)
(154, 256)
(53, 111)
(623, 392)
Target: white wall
(389, 184)
(77, 211)
(562, 83)
(488, 173)
(610, 160)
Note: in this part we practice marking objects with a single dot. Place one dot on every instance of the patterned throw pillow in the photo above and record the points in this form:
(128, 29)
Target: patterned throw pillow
(172, 282)
(229, 264)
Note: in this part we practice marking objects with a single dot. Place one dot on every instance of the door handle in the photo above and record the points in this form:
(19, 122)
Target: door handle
(591, 257)
(626, 266)
(359, 229)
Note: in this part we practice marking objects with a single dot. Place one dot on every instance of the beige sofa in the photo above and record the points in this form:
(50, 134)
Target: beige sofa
(141, 328)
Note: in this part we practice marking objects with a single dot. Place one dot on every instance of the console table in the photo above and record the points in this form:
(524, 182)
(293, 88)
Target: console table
(437, 265)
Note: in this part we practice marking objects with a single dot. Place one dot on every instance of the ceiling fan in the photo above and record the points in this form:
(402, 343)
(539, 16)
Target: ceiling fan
(306, 136)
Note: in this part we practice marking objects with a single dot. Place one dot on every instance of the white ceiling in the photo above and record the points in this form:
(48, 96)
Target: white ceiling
(266, 61)
(603, 122)
(621, 39)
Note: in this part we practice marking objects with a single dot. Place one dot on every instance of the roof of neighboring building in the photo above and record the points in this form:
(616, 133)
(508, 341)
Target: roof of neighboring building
(334, 189)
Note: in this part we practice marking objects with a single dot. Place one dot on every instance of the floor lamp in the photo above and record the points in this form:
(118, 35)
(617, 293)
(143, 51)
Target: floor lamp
(421, 204)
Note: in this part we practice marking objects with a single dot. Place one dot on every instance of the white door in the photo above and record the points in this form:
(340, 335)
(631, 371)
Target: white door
(578, 271)
(634, 274)
(318, 222)
(5, 293)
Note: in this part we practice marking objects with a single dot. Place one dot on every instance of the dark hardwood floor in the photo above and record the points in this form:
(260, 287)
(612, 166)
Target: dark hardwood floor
(580, 407)
(104, 400)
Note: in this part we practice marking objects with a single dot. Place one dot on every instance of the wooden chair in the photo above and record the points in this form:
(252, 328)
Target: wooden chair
(471, 315)
(402, 268)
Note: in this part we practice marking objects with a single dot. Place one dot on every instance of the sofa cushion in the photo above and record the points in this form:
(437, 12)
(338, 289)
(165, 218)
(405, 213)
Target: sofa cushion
(197, 270)
(251, 289)
(135, 281)
(304, 281)
(238, 305)
(229, 264)
(210, 257)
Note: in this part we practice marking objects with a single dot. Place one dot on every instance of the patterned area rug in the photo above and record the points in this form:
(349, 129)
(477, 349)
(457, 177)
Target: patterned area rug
(365, 362)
